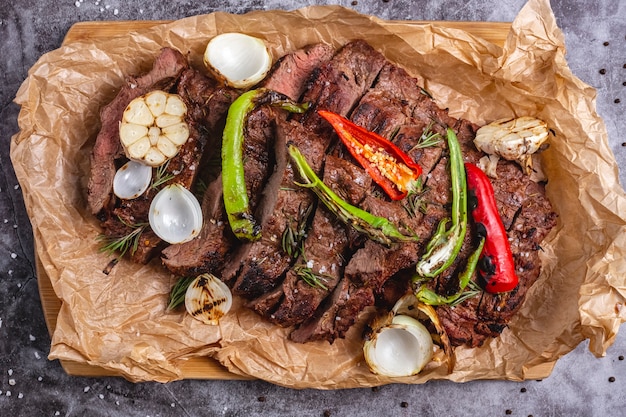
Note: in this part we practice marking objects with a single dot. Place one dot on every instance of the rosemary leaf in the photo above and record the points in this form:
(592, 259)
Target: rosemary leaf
(177, 294)
(315, 280)
(162, 176)
(122, 244)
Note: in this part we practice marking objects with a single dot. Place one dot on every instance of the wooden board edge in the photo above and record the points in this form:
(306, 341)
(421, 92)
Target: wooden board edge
(494, 32)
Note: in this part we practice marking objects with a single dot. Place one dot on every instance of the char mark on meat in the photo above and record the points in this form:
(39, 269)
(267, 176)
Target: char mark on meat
(107, 149)
(290, 73)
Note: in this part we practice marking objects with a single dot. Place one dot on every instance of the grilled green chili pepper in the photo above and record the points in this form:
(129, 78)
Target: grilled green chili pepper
(236, 202)
(428, 296)
(445, 245)
(377, 228)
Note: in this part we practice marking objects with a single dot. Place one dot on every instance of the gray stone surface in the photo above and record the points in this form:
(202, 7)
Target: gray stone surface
(30, 385)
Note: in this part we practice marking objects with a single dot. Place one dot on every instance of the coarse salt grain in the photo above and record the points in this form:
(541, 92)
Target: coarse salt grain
(11, 382)
(8, 393)
(13, 255)
(86, 389)
(115, 12)
(101, 396)
(31, 338)
(10, 372)
(37, 355)
(40, 378)
(20, 395)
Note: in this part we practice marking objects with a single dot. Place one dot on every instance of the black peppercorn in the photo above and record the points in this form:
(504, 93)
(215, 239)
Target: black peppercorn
(612, 379)
(602, 71)
(404, 404)
(621, 357)
(508, 412)
(617, 101)
(523, 390)
(327, 413)
(261, 399)
(354, 3)
(605, 44)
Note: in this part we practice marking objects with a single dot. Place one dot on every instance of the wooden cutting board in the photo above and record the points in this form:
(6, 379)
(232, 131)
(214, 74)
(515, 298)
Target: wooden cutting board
(201, 367)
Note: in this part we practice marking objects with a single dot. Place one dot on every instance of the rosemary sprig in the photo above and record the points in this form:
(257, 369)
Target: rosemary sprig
(414, 202)
(122, 244)
(315, 280)
(162, 176)
(177, 294)
(293, 236)
(428, 138)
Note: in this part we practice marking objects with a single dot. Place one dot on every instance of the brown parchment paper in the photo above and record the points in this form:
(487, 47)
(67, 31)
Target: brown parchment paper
(119, 321)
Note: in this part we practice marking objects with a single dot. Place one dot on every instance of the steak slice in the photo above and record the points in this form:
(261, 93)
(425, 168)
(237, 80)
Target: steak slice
(196, 91)
(324, 250)
(338, 84)
(208, 251)
(290, 73)
(265, 261)
(166, 69)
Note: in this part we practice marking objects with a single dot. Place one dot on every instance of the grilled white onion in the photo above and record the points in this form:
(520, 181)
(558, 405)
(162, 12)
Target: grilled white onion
(132, 180)
(208, 299)
(239, 60)
(400, 347)
(175, 214)
(511, 139)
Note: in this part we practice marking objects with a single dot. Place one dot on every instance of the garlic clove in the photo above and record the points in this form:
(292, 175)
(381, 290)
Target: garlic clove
(239, 60)
(132, 180)
(208, 299)
(147, 121)
(175, 214)
(513, 139)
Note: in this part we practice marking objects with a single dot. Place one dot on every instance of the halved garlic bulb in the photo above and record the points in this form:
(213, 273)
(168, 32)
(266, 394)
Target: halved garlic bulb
(401, 347)
(153, 127)
(132, 180)
(208, 299)
(175, 214)
(511, 139)
(239, 60)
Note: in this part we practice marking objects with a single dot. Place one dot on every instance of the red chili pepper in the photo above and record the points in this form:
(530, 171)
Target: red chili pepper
(388, 166)
(496, 266)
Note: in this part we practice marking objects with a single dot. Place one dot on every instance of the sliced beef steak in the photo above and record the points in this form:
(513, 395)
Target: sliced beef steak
(265, 261)
(207, 252)
(339, 84)
(320, 266)
(107, 149)
(290, 73)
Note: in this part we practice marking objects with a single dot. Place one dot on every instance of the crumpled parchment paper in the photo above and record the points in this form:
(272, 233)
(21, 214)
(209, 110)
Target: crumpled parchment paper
(119, 321)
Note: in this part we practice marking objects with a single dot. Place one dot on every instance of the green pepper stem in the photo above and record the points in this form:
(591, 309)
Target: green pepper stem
(377, 228)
